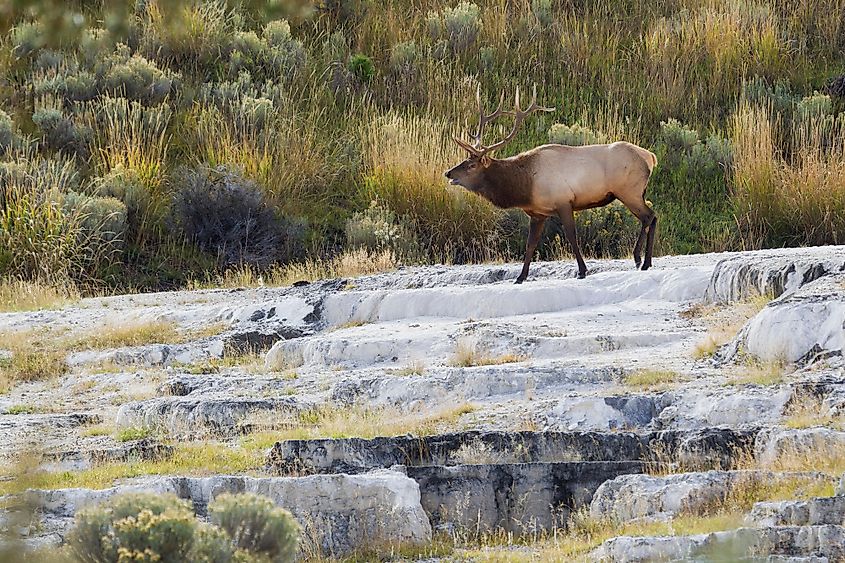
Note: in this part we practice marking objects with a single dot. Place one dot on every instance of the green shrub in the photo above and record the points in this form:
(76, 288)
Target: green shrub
(815, 106)
(126, 187)
(62, 133)
(362, 68)
(459, 26)
(27, 38)
(607, 232)
(284, 55)
(544, 11)
(134, 77)
(145, 527)
(377, 228)
(256, 525)
(224, 213)
(574, 135)
(39, 239)
(192, 35)
(66, 80)
(94, 45)
(102, 223)
(404, 57)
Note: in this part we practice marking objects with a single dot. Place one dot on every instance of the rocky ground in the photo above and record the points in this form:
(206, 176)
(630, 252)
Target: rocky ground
(447, 402)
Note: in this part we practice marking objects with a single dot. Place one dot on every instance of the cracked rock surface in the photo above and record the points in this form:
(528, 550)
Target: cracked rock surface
(566, 395)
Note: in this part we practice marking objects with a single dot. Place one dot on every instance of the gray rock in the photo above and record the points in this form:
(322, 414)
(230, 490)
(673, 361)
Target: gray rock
(744, 544)
(519, 498)
(340, 513)
(709, 447)
(776, 272)
(774, 443)
(814, 512)
(801, 327)
(217, 417)
(630, 497)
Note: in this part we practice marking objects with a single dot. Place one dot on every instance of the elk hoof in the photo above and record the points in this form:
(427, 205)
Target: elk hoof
(519, 280)
(582, 275)
(646, 267)
(638, 263)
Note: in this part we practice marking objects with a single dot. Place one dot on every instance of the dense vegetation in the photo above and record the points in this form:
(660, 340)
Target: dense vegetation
(151, 144)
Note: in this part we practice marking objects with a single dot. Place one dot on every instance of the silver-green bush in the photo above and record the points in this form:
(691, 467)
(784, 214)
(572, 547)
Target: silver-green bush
(144, 527)
(574, 135)
(257, 525)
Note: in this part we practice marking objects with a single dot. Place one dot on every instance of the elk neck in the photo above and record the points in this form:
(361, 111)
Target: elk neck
(508, 182)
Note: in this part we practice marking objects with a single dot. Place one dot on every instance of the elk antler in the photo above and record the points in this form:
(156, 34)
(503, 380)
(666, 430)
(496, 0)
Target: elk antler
(478, 148)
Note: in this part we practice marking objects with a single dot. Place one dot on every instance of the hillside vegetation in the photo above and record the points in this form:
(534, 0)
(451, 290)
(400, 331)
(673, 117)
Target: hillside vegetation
(171, 143)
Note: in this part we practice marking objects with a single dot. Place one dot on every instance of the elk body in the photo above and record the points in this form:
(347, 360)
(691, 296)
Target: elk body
(557, 180)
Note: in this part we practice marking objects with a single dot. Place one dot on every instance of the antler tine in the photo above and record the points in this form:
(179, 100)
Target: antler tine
(483, 119)
(519, 116)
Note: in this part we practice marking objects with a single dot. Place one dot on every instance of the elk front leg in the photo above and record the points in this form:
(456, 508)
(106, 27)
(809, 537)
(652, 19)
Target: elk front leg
(535, 231)
(567, 218)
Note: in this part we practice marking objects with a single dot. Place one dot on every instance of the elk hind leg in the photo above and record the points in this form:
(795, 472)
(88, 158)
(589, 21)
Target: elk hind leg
(567, 219)
(648, 223)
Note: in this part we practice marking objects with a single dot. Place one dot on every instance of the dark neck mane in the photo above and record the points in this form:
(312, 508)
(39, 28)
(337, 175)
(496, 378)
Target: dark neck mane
(507, 183)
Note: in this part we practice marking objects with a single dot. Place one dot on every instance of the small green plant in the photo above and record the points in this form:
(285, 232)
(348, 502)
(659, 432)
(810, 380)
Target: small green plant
(133, 433)
(362, 68)
(649, 379)
(21, 409)
(256, 525)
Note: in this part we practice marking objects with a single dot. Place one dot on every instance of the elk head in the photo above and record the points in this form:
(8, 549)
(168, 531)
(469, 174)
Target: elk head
(470, 172)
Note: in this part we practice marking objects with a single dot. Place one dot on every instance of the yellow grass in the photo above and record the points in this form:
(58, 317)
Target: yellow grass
(649, 379)
(195, 459)
(358, 422)
(723, 322)
(349, 264)
(20, 295)
(758, 373)
(32, 359)
(808, 412)
(130, 333)
(470, 354)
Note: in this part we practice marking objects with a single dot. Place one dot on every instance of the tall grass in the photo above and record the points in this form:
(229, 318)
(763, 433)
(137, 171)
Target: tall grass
(406, 157)
(796, 199)
(336, 107)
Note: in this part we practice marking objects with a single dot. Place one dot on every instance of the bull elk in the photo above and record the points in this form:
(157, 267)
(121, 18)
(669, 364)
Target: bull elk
(558, 180)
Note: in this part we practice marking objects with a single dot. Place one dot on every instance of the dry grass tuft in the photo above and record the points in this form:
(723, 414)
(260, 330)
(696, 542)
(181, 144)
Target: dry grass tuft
(349, 264)
(416, 367)
(357, 422)
(20, 295)
(759, 373)
(649, 379)
(195, 459)
(809, 412)
(468, 353)
(723, 322)
(132, 333)
(32, 359)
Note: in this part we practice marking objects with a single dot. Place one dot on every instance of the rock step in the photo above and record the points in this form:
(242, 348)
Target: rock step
(630, 497)
(137, 450)
(742, 275)
(340, 513)
(709, 446)
(181, 416)
(813, 512)
(780, 543)
(516, 497)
